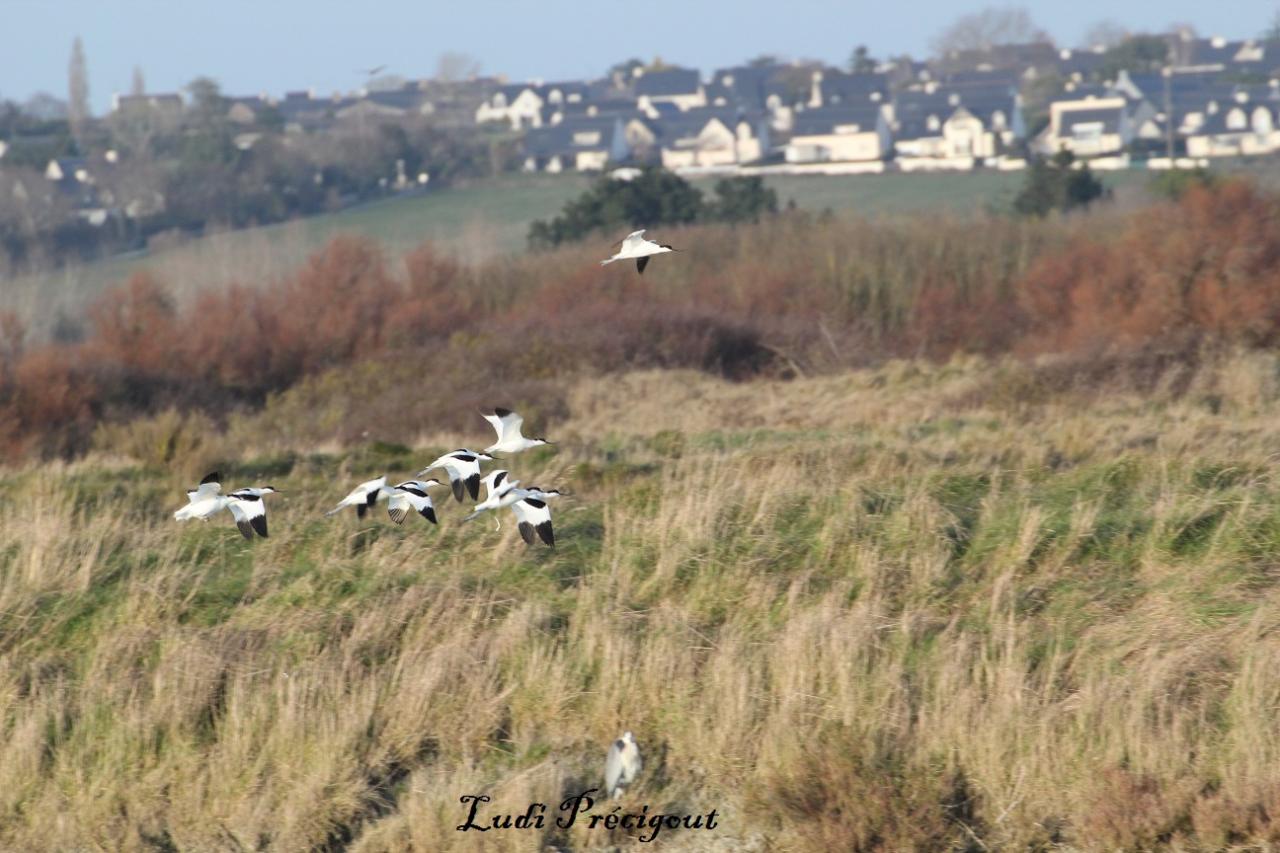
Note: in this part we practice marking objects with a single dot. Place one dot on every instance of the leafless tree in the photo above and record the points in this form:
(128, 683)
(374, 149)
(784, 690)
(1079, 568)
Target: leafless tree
(984, 29)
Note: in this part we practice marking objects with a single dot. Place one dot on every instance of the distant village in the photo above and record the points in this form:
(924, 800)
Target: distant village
(1209, 98)
(1144, 102)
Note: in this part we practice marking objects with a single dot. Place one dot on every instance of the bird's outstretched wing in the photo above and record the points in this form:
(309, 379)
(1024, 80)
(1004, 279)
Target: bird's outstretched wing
(636, 236)
(209, 487)
(505, 423)
(408, 496)
(641, 263)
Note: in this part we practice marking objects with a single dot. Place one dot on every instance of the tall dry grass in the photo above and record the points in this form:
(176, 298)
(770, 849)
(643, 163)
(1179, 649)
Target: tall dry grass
(892, 609)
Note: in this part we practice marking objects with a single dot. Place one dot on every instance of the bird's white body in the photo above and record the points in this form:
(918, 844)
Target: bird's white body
(622, 765)
(507, 424)
(203, 509)
(364, 496)
(499, 492)
(411, 495)
(635, 247)
(463, 468)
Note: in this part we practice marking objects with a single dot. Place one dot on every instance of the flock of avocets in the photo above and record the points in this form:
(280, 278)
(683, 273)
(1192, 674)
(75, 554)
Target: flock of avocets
(529, 504)
(533, 515)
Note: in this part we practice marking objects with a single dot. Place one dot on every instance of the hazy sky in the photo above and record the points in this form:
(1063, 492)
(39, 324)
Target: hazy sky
(275, 45)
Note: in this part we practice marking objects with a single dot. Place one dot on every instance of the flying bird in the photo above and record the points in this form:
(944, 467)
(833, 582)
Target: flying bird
(507, 424)
(463, 468)
(372, 71)
(412, 494)
(634, 245)
(364, 496)
(500, 491)
(622, 765)
(533, 516)
(249, 510)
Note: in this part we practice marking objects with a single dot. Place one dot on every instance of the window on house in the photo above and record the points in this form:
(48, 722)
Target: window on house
(1086, 131)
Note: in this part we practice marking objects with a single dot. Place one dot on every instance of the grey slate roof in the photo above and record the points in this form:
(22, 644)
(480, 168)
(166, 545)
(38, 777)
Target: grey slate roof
(826, 119)
(559, 139)
(840, 88)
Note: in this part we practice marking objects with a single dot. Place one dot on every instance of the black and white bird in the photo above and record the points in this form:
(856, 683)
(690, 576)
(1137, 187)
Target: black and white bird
(364, 496)
(622, 765)
(533, 515)
(463, 468)
(500, 491)
(507, 424)
(249, 510)
(412, 495)
(246, 505)
(634, 245)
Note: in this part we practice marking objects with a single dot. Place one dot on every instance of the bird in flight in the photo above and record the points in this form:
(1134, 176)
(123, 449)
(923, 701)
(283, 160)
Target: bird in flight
(412, 494)
(463, 468)
(533, 516)
(372, 71)
(634, 245)
(507, 425)
(364, 496)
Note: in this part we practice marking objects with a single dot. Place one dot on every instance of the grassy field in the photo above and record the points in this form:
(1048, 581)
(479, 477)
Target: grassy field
(473, 222)
(911, 608)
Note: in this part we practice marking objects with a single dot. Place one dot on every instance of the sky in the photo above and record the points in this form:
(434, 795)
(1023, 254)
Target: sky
(271, 46)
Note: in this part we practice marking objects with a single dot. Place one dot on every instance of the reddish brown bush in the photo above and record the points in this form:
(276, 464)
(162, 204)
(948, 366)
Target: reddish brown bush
(825, 296)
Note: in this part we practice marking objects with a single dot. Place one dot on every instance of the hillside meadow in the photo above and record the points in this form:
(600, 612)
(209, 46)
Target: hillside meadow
(898, 608)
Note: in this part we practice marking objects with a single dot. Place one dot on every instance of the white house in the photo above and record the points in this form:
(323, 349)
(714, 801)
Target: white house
(711, 137)
(1238, 130)
(839, 134)
(1093, 127)
(522, 105)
